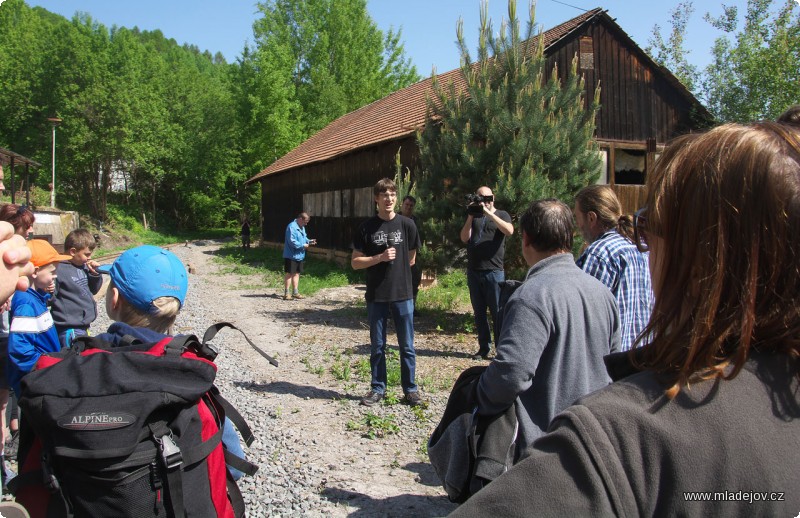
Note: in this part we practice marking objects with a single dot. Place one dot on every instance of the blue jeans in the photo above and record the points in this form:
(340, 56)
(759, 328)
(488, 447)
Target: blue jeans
(403, 315)
(484, 292)
(230, 438)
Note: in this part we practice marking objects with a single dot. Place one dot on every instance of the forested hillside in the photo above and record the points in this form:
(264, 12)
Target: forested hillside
(175, 130)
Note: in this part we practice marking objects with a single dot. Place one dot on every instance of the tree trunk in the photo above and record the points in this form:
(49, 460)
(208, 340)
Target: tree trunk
(153, 205)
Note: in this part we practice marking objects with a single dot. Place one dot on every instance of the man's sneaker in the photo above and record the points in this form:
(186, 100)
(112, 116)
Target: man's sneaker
(480, 355)
(298, 296)
(412, 398)
(287, 297)
(371, 398)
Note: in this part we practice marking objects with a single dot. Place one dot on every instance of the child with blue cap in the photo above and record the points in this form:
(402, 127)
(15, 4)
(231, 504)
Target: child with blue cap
(146, 292)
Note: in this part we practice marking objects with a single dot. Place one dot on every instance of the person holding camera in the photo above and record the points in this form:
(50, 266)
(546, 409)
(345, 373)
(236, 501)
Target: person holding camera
(484, 233)
(294, 253)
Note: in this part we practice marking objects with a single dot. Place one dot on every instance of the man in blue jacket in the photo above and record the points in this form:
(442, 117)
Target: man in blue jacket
(294, 252)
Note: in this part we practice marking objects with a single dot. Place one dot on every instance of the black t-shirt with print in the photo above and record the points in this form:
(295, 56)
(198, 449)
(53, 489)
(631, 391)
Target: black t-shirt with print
(388, 282)
(486, 249)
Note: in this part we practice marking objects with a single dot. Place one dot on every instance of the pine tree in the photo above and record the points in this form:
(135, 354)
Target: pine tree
(523, 132)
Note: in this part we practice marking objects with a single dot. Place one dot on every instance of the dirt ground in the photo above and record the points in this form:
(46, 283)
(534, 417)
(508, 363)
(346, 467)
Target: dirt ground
(371, 468)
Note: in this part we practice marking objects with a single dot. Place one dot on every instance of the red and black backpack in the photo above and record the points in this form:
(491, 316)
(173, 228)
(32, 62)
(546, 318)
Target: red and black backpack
(129, 431)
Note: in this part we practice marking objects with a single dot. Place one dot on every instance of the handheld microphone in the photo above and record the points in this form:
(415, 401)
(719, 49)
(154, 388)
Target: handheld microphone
(390, 241)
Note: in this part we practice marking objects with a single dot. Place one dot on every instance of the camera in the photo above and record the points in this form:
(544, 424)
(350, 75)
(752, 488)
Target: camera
(474, 207)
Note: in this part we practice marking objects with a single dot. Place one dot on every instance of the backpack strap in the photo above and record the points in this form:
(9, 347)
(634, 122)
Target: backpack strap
(231, 413)
(129, 340)
(180, 343)
(211, 332)
(172, 461)
(235, 496)
(82, 343)
(243, 465)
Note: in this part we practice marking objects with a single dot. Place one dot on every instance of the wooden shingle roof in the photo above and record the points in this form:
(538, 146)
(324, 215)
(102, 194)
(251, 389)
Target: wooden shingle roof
(395, 116)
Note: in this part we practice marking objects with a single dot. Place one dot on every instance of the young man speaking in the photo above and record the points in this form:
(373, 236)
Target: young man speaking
(386, 246)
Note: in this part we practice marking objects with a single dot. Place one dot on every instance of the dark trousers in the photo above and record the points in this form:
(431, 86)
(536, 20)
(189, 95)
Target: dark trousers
(484, 293)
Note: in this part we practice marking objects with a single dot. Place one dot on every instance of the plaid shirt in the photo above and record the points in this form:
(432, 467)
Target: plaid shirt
(615, 261)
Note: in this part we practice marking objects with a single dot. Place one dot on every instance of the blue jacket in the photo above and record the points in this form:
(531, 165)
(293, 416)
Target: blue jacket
(294, 242)
(31, 334)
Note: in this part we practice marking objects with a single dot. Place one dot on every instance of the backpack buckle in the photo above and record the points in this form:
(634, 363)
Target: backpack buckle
(209, 351)
(49, 478)
(170, 453)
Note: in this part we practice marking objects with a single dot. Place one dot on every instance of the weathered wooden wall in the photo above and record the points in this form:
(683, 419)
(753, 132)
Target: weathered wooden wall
(631, 197)
(637, 102)
(337, 193)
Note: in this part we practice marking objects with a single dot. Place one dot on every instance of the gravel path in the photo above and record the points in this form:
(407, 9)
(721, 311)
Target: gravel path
(314, 456)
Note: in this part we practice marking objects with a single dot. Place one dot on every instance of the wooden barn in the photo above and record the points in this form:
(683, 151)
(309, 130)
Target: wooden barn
(331, 174)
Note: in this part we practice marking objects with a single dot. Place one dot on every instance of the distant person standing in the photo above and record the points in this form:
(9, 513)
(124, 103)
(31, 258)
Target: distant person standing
(295, 244)
(484, 234)
(613, 259)
(407, 210)
(386, 246)
(246, 234)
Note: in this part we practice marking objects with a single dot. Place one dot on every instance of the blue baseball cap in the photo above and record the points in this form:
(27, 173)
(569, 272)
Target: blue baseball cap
(147, 272)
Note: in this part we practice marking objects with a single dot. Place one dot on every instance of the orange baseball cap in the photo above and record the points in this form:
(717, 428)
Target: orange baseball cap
(43, 253)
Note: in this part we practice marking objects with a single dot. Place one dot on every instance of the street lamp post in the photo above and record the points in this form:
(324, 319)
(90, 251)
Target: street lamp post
(55, 121)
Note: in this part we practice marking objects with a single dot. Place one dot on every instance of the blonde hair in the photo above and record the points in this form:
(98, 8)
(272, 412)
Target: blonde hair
(603, 201)
(160, 319)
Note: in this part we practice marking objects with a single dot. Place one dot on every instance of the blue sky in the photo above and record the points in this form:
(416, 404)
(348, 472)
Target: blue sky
(429, 26)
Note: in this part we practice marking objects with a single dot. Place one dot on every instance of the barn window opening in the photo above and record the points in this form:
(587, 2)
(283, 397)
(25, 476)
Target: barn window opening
(629, 166)
(586, 53)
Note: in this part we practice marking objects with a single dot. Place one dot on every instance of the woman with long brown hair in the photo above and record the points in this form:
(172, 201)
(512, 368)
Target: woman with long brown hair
(707, 419)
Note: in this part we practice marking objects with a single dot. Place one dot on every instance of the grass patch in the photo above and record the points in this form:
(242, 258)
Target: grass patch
(363, 369)
(374, 426)
(123, 231)
(449, 294)
(340, 369)
(392, 367)
(313, 369)
(317, 273)
(377, 426)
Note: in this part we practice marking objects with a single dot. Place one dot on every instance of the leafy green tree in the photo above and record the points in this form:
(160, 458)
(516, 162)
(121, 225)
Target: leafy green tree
(84, 96)
(24, 92)
(756, 74)
(518, 128)
(672, 53)
(336, 56)
(178, 129)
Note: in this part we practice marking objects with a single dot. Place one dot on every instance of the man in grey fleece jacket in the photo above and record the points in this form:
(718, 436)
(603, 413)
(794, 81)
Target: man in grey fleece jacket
(557, 327)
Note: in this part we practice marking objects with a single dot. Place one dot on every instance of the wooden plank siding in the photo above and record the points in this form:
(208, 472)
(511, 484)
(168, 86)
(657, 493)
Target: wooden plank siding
(631, 197)
(282, 195)
(635, 103)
